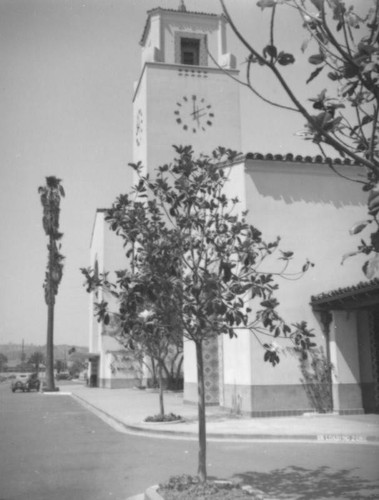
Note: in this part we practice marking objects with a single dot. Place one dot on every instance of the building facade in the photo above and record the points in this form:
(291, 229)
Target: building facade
(186, 94)
(110, 364)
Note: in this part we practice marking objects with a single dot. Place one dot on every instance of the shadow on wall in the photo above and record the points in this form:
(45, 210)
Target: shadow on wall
(312, 183)
(298, 483)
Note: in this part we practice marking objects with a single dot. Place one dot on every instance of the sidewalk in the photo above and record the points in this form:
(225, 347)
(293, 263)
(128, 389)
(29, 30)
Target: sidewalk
(126, 409)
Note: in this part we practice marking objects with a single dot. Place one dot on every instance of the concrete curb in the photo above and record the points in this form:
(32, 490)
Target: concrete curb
(145, 430)
(57, 393)
(151, 493)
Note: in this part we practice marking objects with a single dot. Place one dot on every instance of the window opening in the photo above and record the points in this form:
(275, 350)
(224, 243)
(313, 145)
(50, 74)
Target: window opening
(190, 51)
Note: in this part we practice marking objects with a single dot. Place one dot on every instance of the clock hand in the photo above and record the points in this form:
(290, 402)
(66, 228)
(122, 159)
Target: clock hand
(197, 111)
(198, 116)
(194, 109)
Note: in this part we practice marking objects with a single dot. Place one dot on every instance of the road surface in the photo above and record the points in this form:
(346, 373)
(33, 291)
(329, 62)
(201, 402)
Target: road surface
(51, 448)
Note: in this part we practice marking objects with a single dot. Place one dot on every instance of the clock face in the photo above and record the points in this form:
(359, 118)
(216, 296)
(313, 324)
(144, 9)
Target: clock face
(139, 127)
(193, 114)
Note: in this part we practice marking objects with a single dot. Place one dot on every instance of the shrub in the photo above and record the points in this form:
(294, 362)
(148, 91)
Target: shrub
(171, 417)
(316, 371)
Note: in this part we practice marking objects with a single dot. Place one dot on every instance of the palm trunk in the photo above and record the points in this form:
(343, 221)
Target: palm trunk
(202, 466)
(50, 347)
(50, 324)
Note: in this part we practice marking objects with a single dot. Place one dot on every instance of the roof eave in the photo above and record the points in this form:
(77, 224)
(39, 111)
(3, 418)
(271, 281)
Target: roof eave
(158, 10)
(355, 297)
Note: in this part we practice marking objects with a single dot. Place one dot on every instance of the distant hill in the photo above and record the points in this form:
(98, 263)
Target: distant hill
(13, 351)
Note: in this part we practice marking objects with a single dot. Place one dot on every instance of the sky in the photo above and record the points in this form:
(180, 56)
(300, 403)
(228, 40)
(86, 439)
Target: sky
(66, 82)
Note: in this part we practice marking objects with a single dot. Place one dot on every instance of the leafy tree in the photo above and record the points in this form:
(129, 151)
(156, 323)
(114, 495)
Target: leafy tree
(147, 317)
(76, 367)
(60, 365)
(3, 362)
(208, 258)
(77, 361)
(344, 45)
(36, 359)
(50, 198)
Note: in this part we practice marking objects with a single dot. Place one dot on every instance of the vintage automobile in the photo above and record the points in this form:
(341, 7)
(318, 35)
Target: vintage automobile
(26, 382)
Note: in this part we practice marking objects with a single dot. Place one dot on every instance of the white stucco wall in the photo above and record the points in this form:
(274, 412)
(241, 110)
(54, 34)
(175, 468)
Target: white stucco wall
(140, 108)
(106, 248)
(160, 90)
(312, 210)
(153, 39)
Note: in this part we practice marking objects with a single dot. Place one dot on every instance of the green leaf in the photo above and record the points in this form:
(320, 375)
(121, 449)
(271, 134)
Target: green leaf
(371, 267)
(286, 329)
(284, 58)
(334, 76)
(270, 50)
(367, 119)
(306, 266)
(358, 227)
(270, 303)
(263, 4)
(350, 70)
(314, 73)
(316, 59)
(348, 255)
(286, 255)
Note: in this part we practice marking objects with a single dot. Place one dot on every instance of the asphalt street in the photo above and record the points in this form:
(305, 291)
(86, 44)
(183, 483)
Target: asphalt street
(51, 448)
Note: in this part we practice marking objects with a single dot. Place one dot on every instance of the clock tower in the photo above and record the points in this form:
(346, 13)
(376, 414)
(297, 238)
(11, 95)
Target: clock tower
(185, 94)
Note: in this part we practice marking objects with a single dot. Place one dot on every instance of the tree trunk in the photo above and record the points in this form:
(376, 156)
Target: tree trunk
(161, 403)
(202, 466)
(153, 373)
(50, 346)
(179, 368)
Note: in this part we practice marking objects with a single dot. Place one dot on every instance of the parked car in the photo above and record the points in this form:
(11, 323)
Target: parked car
(25, 382)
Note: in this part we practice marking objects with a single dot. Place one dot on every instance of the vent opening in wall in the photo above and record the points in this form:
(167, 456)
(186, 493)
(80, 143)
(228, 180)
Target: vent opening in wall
(190, 51)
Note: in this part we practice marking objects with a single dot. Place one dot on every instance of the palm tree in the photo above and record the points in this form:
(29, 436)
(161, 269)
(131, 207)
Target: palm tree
(50, 198)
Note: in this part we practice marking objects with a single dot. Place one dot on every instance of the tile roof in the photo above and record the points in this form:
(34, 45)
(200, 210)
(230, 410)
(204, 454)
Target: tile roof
(160, 9)
(156, 9)
(290, 157)
(360, 289)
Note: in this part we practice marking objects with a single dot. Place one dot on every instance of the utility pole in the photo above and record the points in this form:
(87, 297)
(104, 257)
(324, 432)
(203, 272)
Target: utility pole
(22, 353)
